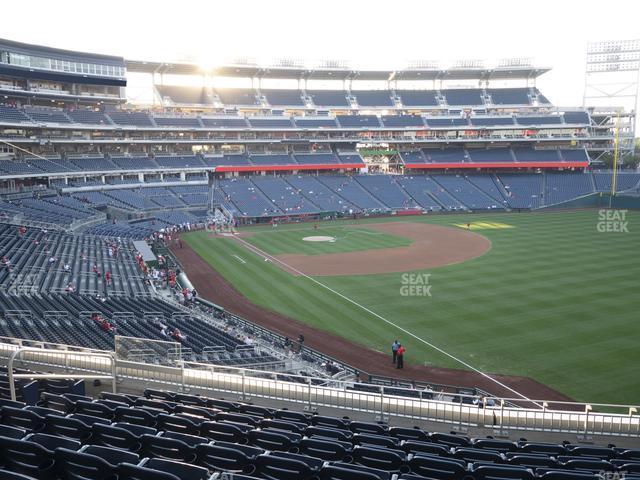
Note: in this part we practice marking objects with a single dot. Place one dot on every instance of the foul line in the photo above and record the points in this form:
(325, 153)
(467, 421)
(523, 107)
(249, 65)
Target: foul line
(240, 259)
(23, 150)
(389, 322)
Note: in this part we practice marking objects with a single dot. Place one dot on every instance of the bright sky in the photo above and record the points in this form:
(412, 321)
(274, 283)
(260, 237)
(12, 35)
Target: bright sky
(367, 34)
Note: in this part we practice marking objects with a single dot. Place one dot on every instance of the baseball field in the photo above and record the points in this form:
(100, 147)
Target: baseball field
(550, 296)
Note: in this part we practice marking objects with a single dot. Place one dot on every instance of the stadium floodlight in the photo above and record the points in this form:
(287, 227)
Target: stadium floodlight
(424, 65)
(289, 63)
(333, 63)
(247, 61)
(515, 62)
(612, 81)
(469, 63)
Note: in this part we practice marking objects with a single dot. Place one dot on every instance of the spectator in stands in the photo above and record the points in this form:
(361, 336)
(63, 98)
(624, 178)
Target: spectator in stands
(52, 260)
(394, 351)
(400, 356)
(107, 326)
(178, 336)
(67, 268)
(95, 270)
(107, 277)
(5, 263)
(70, 288)
(164, 330)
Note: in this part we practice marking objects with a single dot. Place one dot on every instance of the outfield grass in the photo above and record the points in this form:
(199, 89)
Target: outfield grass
(290, 240)
(553, 299)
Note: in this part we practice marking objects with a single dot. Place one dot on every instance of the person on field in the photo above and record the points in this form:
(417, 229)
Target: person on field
(400, 356)
(394, 351)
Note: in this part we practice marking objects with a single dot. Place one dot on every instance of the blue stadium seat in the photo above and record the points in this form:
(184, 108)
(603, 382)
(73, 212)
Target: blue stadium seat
(25, 457)
(181, 470)
(133, 472)
(271, 467)
(74, 465)
(216, 457)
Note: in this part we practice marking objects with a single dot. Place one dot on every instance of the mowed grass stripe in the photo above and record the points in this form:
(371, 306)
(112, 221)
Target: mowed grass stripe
(347, 239)
(278, 291)
(553, 299)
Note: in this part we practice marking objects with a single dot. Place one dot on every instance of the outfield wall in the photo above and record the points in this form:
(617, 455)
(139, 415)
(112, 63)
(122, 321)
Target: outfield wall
(598, 200)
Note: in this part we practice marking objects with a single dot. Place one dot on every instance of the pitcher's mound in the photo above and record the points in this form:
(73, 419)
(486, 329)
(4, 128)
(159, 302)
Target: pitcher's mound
(319, 238)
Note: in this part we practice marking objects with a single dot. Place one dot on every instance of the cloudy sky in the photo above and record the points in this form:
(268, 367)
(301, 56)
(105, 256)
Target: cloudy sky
(367, 34)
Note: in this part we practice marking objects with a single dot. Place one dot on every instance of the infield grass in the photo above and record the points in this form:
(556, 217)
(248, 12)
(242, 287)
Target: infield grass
(553, 299)
(278, 241)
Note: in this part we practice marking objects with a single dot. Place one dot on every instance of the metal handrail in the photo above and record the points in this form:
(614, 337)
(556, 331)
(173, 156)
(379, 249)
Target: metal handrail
(12, 376)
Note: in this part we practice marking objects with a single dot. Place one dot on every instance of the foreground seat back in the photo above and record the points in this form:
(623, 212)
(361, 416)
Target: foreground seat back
(415, 446)
(487, 472)
(127, 471)
(68, 427)
(94, 409)
(168, 448)
(404, 433)
(324, 449)
(9, 475)
(113, 456)
(382, 458)
(51, 442)
(215, 457)
(12, 432)
(567, 475)
(173, 423)
(26, 457)
(25, 419)
(343, 471)
(72, 465)
(57, 402)
(109, 436)
(437, 468)
(224, 431)
(274, 440)
(181, 470)
(278, 468)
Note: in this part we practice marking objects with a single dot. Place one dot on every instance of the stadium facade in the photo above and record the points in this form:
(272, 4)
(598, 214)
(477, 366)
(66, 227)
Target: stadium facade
(67, 128)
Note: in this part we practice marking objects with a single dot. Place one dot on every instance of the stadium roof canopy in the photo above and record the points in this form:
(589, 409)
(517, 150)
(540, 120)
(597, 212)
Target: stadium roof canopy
(59, 53)
(329, 73)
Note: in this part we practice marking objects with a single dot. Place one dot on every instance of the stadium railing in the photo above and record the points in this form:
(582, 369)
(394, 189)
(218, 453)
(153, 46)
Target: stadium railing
(492, 413)
(68, 357)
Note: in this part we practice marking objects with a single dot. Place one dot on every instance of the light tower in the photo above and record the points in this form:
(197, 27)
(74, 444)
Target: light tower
(612, 78)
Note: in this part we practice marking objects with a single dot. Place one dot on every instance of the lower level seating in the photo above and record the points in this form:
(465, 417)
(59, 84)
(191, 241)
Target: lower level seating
(169, 435)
